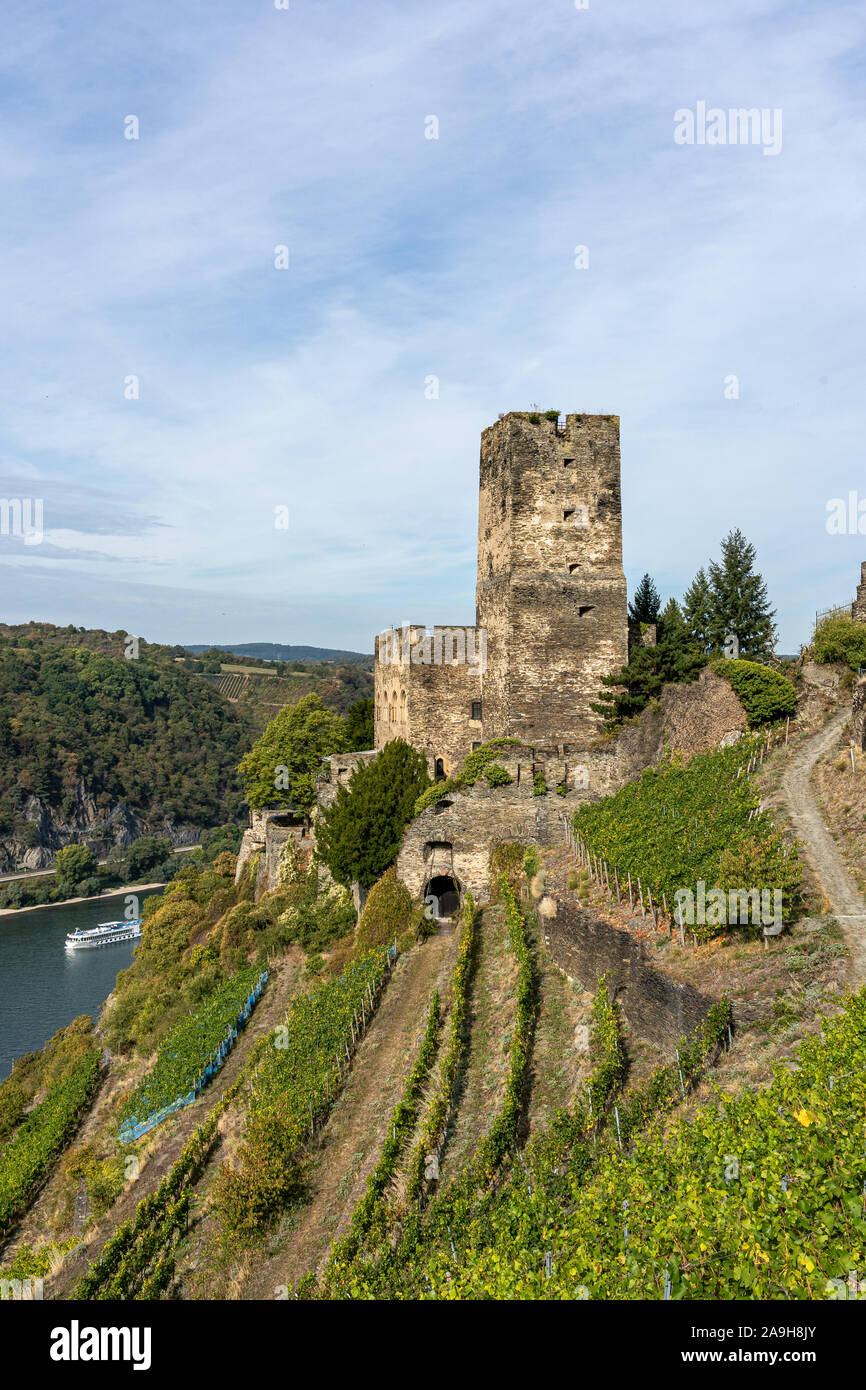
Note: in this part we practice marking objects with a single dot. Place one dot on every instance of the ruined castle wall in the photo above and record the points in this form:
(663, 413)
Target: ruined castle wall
(337, 772)
(460, 830)
(551, 591)
(430, 679)
(585, 946)
(858, 715)
(858, 607)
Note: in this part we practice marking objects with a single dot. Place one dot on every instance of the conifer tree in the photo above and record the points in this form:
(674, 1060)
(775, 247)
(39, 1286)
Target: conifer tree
(739, 605)
(359, 835)
(697, 603)
(671, 627)
(646, 604)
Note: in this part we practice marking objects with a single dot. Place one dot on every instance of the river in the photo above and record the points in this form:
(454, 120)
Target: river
(43, 986)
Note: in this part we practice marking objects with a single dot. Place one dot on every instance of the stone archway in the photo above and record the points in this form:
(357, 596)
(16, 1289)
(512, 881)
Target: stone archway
(445, 889)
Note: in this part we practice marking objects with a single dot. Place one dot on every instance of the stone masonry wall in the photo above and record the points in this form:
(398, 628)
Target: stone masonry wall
(463, 826)
(584, 946)
(551, 591)
(425, 695)
(858, 607)
(858, 714)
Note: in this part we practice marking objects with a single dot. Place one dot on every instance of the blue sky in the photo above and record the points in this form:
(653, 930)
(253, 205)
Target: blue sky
(409, 258)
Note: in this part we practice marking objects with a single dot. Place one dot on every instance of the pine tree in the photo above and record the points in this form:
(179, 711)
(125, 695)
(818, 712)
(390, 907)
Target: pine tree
(646, 604)
(697, 606)
(360, 833)
(740, 606)
(671, 628)
(649, 669)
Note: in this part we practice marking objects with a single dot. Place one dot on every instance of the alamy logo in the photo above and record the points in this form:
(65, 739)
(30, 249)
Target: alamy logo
(21, 1290)
(737, 906)
(737, 126)
(444, 646)
(846, 519)
(77, 1343)
(22, 517)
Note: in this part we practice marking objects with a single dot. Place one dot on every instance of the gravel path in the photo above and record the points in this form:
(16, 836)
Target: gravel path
(810, 827)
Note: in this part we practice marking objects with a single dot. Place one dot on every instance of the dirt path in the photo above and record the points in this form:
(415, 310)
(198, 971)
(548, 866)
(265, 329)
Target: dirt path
(352, 1139)
(168, 1139)
(810, 827)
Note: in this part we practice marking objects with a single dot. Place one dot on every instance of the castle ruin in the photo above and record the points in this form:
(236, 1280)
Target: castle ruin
(551, 611)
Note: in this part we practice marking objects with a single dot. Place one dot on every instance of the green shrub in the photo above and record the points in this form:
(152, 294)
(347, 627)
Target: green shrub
(388, 912)
(505, 861)
(473, 767)
(840, 639)
(497, 776)
(539, 786)
(764, 694)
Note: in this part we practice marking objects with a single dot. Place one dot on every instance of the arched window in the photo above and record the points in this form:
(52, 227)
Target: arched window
(440, 770)
(402, 706)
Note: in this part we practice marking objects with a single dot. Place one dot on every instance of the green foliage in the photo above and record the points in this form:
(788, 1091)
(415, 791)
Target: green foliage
(388, 913)
(765, 695)
(629, 691)
(42, 1135)
(740, 606)
(473, 767)
(30, 1263)
(360, 734)
(506, 861)
(497, 776)
(359, 835)
(136, 1262)
(103, 1178)
(646, 604)
(539, 786)
(552, 415)
(186, 1050)
(842, 639)
(672, 826)
(142, 732)
(294, 1086)
(757, 1197)
(316, 916)
(698, 611)
(281, 767)
(74, 863)
(531, 863)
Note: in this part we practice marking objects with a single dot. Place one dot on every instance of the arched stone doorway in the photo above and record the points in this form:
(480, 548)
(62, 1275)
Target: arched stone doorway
(444, 888)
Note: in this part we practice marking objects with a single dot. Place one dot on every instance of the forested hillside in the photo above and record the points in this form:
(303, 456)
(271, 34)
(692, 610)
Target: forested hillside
(84, 730)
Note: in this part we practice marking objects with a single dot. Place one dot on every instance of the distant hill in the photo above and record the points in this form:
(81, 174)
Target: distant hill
(276, 651)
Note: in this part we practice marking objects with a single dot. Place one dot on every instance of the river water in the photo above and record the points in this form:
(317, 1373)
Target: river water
(43, 986)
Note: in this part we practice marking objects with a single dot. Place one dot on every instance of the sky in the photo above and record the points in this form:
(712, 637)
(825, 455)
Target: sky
(228, 449)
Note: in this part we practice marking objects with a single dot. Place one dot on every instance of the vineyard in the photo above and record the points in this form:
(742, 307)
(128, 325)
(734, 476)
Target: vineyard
(682, 824)
(41, 1137)
(761, 1196)
(192, 1053)
(294, 1086)
(376, 1268)
(138, 1261)
(370, 1219)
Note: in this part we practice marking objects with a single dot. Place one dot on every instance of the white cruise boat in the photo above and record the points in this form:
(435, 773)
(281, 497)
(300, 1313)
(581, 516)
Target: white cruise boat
(104, 934)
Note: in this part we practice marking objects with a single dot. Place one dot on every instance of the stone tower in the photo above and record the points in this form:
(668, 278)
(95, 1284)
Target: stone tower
(551, 590)
(858, 607)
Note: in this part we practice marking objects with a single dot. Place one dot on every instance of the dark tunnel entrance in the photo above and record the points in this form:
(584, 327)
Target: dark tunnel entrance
(446, 893)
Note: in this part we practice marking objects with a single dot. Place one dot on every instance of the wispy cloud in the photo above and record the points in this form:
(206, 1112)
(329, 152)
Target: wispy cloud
(412, 258)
